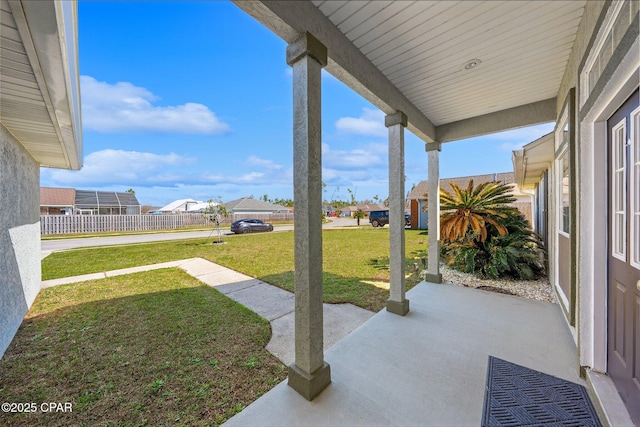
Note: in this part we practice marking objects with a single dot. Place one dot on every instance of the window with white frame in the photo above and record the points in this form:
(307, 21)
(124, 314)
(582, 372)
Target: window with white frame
(618, 190)
(635, 188)
(564, 202)
(563, 176)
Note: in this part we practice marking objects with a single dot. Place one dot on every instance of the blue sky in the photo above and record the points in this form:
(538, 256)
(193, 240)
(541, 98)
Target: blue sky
(194, 99)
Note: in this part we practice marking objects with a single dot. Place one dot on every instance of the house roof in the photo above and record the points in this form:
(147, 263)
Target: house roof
(176, 204)
(456, 69)
(532, 160)
(63, 197)
(104, 199)
(40, 90)
(200, 206)
(249, 204)
(422, 188)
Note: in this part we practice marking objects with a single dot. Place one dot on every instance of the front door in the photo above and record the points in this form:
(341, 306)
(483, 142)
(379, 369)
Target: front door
(623, 129)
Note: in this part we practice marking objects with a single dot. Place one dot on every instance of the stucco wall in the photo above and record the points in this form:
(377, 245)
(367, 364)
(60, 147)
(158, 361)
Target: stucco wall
(20, 275)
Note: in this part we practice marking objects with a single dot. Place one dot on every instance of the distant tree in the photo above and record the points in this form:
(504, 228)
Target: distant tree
(352, 194)
(358, 215)
(265, 198)
(131, 190)
(324, 190)
(217, 213)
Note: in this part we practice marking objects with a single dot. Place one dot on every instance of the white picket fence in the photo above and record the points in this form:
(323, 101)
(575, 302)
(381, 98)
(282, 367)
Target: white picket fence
(64, 224)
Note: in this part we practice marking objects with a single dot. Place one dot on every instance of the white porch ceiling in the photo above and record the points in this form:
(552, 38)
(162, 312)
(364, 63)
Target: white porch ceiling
(411, 54)
(422, 47)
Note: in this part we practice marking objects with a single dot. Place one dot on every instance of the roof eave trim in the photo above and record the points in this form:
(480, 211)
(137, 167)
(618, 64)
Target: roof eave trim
(48, 31)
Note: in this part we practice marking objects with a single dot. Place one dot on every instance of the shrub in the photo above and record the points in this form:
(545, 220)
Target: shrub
(484, 236)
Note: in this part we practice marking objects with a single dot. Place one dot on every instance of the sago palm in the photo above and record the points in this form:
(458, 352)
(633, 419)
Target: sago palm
(472, 212)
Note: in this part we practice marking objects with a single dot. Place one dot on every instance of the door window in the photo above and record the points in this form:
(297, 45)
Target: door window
(618, 190)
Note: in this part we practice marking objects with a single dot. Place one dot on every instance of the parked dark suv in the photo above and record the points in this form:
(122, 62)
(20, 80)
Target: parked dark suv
(381, 218)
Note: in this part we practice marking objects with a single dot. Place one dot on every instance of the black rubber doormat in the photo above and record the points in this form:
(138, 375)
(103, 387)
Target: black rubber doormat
(519, 396)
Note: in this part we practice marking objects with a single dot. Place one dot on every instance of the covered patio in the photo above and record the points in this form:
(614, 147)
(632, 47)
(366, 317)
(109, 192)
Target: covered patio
(428, 367)
(447, 71)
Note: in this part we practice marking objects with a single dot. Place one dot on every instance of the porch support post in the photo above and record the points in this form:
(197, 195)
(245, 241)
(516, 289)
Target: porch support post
(309, 374)
(397, 302)
(433, 271)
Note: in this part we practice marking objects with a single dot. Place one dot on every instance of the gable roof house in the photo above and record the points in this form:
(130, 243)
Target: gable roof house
(418, 197)
(448, 71)
(57, 201)
(39, 126)
(179, 206)
(248, 205)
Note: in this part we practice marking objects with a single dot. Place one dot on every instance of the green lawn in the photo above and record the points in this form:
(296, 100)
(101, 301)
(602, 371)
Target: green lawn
(154, 348)
(354, 260)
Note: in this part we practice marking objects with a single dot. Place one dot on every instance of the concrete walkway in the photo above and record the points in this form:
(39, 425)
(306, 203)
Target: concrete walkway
(272, 303)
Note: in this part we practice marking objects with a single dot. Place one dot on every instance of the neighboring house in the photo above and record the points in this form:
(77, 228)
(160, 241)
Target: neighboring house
(419, 195)
(69, 201)
(185, 206)
(57, 201)
(39, 126)
(364, 207)
(247, 205)
(106, 203)
(453, 78)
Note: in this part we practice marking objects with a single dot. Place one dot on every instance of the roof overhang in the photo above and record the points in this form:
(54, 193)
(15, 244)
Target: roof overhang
(40, 89)
(456, 69)
(532, 160)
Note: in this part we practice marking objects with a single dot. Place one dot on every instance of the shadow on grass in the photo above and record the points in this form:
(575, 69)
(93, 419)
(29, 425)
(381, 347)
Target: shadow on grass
(188, 355)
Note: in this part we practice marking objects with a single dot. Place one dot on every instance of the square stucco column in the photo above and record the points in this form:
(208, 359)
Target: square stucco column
(433, 270)
(397, 302)
(309, 374)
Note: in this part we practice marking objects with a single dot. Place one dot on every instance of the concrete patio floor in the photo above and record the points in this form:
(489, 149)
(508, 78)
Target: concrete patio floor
(428, 367)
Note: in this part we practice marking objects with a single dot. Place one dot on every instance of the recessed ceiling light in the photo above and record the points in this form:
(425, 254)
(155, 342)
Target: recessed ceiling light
(471, 64)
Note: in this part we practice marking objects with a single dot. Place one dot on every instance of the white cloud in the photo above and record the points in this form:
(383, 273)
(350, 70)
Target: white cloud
(370, 123)
(264, 163)
(124, 107)
(372, 155)
(515, 139)
(107, 167)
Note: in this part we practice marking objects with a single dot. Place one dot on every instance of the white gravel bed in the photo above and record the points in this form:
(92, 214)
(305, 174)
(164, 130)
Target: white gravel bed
(534, 289)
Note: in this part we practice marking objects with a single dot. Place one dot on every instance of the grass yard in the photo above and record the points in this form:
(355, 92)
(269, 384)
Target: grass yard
(155, 348)
(355, 264)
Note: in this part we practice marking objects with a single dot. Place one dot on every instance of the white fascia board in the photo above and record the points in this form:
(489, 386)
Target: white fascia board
(512, 118)
(290, 19)
(49, 32)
